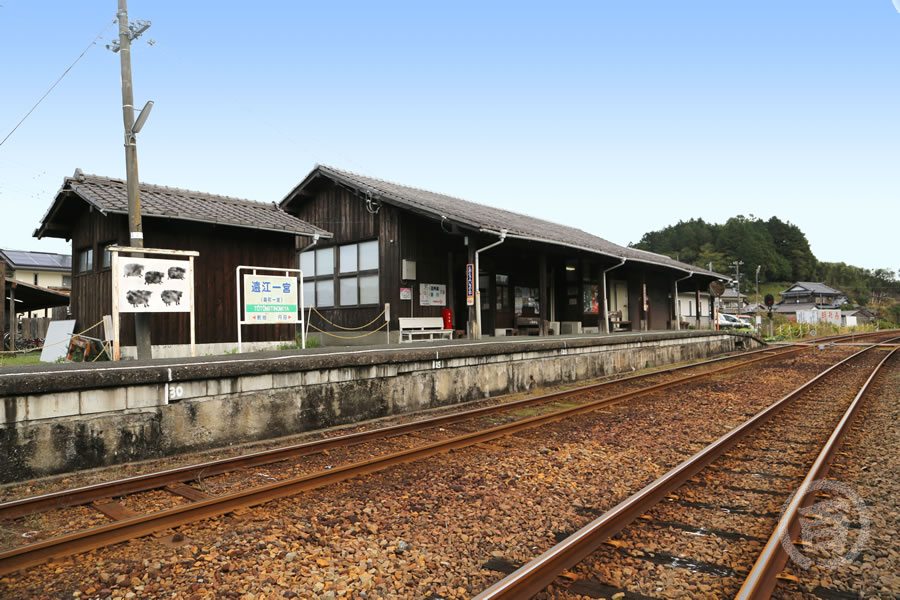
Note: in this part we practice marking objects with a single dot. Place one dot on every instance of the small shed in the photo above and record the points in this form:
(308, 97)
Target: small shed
(91, 211)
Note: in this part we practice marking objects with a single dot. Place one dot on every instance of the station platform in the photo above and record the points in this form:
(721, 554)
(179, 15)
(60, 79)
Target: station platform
(60, 418)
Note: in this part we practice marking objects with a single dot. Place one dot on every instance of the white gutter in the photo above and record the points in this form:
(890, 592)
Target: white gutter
(477, 328)
(605, 299)
(678, 304)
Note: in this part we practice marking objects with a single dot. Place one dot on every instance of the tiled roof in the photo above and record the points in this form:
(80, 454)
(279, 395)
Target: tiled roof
(37, 261)
(480, 216)
(110, 196)
(812, 287)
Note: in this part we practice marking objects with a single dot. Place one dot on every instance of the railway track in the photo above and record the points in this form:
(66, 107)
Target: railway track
(726, 499)
(128, 525)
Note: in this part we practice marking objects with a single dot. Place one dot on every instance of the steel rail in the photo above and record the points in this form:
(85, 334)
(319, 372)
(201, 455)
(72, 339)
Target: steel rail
(761, 580)
(540, 572)
(139, 483)
(119, 531)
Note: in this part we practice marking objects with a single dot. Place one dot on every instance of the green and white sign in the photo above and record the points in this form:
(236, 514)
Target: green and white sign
(270, 299)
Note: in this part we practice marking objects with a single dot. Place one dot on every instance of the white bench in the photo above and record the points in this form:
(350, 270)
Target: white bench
(413, 327)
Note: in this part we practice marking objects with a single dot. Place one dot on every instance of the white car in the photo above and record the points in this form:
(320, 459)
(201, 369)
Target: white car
(729, 322)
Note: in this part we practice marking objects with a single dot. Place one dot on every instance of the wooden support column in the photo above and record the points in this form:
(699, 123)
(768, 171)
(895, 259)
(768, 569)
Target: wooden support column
(451, 288)
(645, 303)
(470, 325)
(2, 298)
(675, 309)
(12, 316)
(697, 296)
(604, 304)
(542, 282)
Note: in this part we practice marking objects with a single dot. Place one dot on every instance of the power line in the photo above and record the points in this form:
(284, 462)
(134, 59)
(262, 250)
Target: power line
(57, 81)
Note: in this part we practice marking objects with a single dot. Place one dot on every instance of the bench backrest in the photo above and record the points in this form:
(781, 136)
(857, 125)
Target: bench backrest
(421, 323)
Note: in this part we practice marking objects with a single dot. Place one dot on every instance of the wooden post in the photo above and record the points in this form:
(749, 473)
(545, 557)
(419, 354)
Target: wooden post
(2, 297)
(697, 297)
(12, 315)
(451, 288)
(674, 309)
(645, 304)
(542, 282)
(470, 326)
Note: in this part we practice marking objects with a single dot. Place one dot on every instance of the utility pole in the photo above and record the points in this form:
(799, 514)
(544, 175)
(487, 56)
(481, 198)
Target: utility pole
(135, 228)
(737, 284)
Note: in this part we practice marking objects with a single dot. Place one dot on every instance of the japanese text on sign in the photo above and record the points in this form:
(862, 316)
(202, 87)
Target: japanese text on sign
(269, 299)
(470, 285)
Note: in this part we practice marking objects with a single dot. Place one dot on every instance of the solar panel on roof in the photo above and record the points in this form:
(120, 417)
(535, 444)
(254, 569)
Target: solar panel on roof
(22, 258)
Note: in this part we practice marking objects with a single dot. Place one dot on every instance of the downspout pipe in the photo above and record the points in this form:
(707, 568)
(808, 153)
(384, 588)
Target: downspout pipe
(477, 329)
(310, 245)
(605, 295)
(678, 304)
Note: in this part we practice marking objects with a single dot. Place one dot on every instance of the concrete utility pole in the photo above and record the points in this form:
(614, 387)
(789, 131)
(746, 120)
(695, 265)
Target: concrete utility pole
(737, 284)
(126, 34)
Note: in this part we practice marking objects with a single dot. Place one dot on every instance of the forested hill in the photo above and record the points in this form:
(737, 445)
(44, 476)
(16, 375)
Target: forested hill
(780, 248)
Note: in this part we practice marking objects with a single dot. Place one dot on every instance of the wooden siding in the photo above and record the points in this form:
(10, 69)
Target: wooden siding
(401, 235)
(221, 248)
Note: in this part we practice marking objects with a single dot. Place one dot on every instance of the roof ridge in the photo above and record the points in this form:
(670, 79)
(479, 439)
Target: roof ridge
(155, 186)
(457, 198)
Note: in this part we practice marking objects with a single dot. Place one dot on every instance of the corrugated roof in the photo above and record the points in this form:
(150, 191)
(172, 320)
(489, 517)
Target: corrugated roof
(480, 216)
(110, 196)
(39, 261)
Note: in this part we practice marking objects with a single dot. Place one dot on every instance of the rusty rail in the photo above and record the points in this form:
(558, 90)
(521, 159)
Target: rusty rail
(84, 495)
(761, 580)
(34, 554)
(537, 574)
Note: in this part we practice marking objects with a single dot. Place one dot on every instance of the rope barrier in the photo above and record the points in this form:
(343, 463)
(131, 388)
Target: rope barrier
(349, 337)
(98, 323)
(321, 316)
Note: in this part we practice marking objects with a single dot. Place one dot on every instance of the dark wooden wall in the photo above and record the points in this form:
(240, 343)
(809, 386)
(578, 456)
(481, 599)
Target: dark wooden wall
(221, 248)
(401, 235)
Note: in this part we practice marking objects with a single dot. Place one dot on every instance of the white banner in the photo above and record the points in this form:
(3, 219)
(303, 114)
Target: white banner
(154, 285)
(432, 294)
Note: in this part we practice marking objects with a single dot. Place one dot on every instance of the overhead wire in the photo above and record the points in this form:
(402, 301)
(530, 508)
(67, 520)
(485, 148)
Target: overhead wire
(66, 72)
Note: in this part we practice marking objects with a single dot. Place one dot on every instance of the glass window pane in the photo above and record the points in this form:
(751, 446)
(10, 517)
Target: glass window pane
(348, 259)
(309, 293)
(325, 261)
(308, 263)
(368, 289)
(349, 295)
(368, 255)
(325, 292)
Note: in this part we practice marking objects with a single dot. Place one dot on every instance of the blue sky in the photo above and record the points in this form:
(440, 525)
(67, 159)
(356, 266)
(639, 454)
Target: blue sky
(615, 117)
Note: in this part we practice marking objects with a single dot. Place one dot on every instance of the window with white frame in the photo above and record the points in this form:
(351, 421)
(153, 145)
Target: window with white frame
(344, 275)
(85, 260)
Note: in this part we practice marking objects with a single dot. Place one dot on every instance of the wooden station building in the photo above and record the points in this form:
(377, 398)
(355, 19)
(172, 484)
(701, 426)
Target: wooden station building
(92, 211)
(409, 247)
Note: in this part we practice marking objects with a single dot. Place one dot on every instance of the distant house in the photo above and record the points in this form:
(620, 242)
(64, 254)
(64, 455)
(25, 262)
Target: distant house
(45, 269)
(806, 295)
(857, 316)
(92, 211)
(732, 302)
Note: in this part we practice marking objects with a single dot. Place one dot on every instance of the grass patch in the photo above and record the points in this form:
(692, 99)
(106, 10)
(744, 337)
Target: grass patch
(18, 360)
